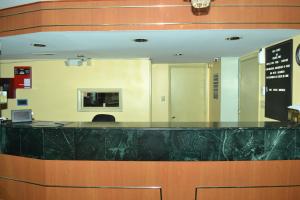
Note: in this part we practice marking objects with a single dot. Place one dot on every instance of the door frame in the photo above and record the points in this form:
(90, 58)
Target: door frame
(253, 55)
(189, 65)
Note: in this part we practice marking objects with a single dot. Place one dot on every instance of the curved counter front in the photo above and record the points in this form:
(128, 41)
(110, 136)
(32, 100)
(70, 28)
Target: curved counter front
(149, 161)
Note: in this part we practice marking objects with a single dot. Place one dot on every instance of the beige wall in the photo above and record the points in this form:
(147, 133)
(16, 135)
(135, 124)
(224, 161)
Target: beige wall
(160, 92)
(54, 88)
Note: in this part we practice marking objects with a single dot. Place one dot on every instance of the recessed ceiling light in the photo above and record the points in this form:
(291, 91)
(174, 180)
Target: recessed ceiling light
(232, 38)
(140, 40)
(178, 54)
(38, 45)
(80, 56)
(44, 54)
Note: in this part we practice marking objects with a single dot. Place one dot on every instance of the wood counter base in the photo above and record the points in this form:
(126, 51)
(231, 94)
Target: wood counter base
(177, 179)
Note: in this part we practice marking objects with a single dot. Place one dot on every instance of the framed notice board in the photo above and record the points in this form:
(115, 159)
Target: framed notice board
(279, 68)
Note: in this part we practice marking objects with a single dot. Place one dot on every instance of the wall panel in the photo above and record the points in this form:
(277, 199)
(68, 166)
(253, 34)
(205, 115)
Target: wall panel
(53, 96)
(149, 15)
(178, 179)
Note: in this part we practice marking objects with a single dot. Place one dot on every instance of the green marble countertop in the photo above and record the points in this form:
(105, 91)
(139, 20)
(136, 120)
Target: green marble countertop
(151, 141)
(159, 125)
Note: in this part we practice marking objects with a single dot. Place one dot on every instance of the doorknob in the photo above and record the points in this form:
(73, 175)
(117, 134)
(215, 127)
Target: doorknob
(173, 117)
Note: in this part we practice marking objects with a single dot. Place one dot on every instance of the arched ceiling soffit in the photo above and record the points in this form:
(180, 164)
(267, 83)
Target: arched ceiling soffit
(104, 15)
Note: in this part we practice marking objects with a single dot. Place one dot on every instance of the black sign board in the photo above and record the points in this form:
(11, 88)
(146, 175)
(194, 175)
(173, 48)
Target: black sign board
(279, 67)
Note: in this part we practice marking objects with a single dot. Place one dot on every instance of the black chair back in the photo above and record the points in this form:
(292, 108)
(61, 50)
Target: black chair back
(104, 118)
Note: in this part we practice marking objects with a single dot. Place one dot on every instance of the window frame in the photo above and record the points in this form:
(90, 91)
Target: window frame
(80, 96)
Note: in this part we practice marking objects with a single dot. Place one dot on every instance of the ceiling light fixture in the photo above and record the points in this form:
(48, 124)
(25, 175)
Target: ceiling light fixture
(232, 38)
(38, 45)
(178, 54)
(200, 3)
(79, 61)
(73, 62)
(140, 40)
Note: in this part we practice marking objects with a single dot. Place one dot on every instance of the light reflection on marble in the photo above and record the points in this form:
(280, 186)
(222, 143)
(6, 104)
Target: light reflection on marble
(154, 141)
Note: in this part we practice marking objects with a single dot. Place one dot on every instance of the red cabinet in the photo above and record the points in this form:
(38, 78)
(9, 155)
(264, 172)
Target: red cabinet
(22, 77)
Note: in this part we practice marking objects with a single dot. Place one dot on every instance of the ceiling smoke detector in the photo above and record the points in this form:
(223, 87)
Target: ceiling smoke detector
(140, 40)
(200, 3)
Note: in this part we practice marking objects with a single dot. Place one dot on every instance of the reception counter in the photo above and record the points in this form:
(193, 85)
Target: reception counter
(149, 161)
(152, 141)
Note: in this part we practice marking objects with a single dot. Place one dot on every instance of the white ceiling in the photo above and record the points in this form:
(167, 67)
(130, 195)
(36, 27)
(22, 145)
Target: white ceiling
(12, 3)
(195, 45)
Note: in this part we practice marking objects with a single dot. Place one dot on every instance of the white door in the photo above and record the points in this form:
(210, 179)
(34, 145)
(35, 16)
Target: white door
(249, 90)
(189, 93)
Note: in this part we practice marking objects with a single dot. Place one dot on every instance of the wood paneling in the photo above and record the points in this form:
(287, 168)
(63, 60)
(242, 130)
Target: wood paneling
(148, 15)
(19, 191)
(22, 168)
(178, 179)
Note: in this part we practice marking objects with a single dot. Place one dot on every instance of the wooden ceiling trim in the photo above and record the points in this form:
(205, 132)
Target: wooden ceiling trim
(108, 15)
(38, 7)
